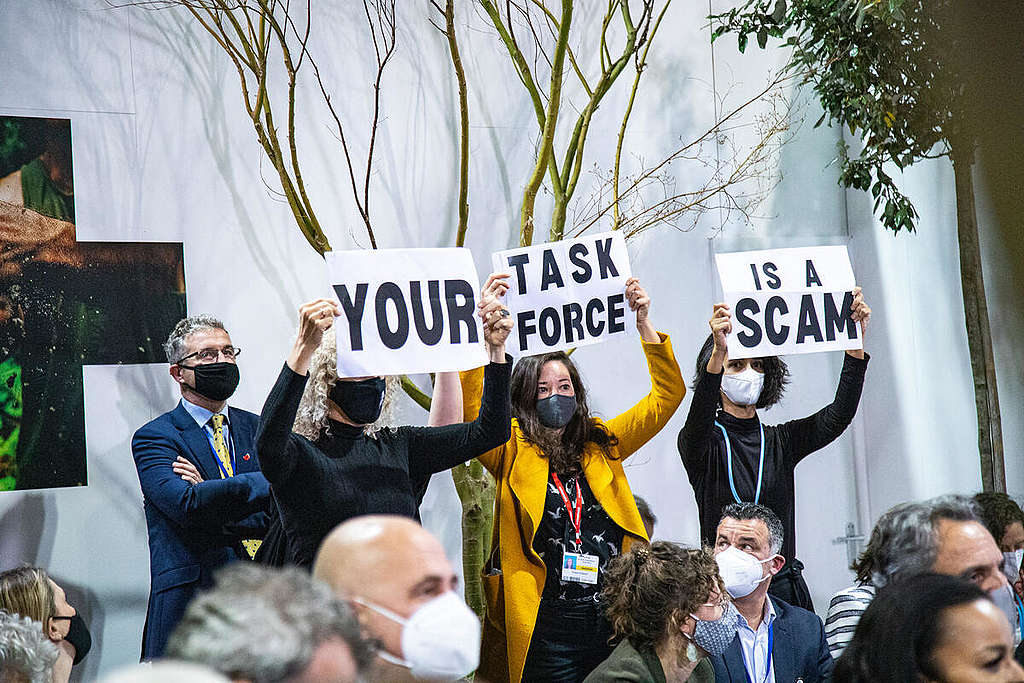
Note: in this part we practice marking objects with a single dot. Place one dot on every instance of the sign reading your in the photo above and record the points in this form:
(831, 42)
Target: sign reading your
(787, 301)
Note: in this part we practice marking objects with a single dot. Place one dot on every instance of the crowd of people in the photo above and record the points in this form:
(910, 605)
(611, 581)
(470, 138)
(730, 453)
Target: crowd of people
(286, 546)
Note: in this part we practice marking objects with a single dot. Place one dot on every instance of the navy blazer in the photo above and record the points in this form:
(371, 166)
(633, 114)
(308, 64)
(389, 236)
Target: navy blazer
(799, 649)
(194, 529)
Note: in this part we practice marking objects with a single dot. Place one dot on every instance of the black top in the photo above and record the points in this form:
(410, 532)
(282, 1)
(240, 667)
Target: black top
(346, 473)
(555, 534)
(702, 448)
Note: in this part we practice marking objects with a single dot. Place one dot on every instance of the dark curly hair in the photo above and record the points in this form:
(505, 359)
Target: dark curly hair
(998, 511)
(776, 374)
(653, 588)
(562, 450)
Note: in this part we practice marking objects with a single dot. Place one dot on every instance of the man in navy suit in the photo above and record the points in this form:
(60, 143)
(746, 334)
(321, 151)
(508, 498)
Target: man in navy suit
(775, 642)
(206, 500)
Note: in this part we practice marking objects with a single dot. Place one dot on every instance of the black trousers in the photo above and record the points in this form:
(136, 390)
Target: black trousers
(567, 644)
(789, 586)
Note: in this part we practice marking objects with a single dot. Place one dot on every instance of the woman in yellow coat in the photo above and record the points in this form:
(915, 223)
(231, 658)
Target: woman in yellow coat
(563, 508)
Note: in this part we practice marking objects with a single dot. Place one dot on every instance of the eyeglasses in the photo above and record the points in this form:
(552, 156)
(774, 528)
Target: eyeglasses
(211, 355)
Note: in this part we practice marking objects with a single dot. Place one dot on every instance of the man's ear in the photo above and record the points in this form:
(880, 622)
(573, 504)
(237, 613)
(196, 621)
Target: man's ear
(175, 372)
(776, 565)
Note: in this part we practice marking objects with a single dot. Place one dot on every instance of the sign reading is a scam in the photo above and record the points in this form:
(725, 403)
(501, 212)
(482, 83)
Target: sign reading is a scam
(568, 293)
(787, 301)
(406, 311)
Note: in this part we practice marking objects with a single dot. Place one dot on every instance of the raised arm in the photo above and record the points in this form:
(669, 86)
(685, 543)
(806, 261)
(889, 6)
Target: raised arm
(693, 437)
(816, 431)
(435, 449)
(446, 401)
(278, 415)
(639, 424)
(209, 504)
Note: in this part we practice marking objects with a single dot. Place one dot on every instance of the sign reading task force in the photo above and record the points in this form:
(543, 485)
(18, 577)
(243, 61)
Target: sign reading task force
(406, 311)
(787, 301)
(567, 294)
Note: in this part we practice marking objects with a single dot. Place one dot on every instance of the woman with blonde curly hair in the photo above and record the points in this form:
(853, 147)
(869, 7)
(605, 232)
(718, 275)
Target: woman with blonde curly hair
(668, 605)
(326, 451)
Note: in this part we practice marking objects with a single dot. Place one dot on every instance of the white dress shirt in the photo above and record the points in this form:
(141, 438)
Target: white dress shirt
(754, 645)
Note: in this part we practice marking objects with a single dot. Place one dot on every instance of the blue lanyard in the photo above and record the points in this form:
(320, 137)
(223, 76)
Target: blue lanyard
(230, 443)
(1020, 614)
(760, 464)
(768, 666)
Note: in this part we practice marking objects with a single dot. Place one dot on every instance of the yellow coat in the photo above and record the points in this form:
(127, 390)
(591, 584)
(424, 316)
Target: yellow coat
(521, 474)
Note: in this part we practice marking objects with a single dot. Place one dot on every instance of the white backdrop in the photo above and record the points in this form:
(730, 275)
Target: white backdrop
(163, 152)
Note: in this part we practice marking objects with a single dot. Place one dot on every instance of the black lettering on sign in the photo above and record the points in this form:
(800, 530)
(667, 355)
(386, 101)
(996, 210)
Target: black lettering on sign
(595, 325)
(604, 259)
(393, 339)
(835, 320)
(812, 274)
(353, 312)
(774, 281)
(549, 272)
(428, 335)
(576, 254)
(549, 318)
(744, 308)
(808, 325)
(776, 335)
(526, 327)
(460, 312)
(616, 313)
(517, 262)
(573, 314)
(757, 280)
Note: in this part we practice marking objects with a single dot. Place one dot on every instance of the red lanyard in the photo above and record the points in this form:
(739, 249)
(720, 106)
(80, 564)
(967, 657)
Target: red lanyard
(575, 515)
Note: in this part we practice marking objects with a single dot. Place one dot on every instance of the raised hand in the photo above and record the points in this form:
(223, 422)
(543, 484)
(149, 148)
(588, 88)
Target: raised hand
(640, 303)
(496, 318)
(860, 313)
(721, 327)
(315, 318)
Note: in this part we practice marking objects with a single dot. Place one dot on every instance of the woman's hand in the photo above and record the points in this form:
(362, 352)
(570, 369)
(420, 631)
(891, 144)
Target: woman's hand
(641, 304)
(860, 313)
(315, 318)
(496, 318)
(721, 327)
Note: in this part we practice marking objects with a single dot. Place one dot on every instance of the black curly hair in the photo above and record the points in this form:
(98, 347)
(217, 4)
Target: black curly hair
(776, 374)
(998, 511)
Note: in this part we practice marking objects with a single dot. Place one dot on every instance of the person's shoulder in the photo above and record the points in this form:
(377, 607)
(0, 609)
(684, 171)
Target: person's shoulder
(855, 593)
(795, 616)
(625, 663)
(161, 423)
(243, 416)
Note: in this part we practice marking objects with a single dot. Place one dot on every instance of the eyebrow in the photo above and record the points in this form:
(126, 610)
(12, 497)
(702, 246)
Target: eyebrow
(426, 585)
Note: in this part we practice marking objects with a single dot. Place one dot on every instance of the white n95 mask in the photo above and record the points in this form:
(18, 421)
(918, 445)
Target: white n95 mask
(440, 641)
(743, 388)
(740, 571)
(1011, 565)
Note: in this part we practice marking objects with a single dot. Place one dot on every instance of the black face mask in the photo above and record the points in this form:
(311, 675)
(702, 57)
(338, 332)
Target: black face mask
(556, 410)
(215, 381)
(361, 401)
(79, 636)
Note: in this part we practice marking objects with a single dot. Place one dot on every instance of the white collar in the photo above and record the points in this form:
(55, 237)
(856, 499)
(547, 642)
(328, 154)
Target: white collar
(200, 414)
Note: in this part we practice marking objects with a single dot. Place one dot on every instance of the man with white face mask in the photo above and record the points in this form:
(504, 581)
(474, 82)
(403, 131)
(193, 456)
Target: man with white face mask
(402, 586)
(731, 456)
(775, 641)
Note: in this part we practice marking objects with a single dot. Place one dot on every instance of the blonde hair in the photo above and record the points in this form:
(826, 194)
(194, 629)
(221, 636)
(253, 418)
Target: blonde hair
(27, 591)
(311, 417)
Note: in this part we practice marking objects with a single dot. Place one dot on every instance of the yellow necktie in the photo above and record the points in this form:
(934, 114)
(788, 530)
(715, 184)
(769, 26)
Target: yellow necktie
(221, 447)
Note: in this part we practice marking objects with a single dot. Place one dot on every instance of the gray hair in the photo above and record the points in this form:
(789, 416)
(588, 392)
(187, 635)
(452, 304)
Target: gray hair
(264, 624)
(907, 542)
(311, 416)
(174, 347)
(25, 652)
(747, 511)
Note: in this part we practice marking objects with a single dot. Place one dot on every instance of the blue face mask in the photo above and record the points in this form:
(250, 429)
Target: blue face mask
(715, 636)
(556, 410)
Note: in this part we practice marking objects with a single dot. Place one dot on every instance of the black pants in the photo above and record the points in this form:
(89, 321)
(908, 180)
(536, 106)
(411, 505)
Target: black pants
(567, 644)
(789, 586)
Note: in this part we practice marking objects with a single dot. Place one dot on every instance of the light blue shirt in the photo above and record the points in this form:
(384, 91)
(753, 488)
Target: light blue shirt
(754, 645)
(202, 417)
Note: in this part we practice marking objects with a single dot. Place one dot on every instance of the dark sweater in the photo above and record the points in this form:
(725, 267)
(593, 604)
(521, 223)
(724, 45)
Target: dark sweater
(627, 663)
(702, 448)
(346, 473)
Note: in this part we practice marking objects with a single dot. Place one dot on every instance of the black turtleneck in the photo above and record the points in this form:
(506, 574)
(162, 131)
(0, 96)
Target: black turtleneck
(702, 448)
(346, 473)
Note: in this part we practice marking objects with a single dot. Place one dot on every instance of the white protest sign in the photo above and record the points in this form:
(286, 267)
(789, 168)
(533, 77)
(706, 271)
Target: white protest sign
(568, 293)
(406, 311)
(787, 301)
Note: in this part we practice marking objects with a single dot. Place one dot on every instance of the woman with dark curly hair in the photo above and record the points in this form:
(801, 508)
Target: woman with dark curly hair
(730, 456)
(563, 509)
(930, 627)
(669, 606)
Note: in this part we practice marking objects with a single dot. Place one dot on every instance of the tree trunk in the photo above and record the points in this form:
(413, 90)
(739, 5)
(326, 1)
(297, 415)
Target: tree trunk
(979, 337)
(475, 487)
